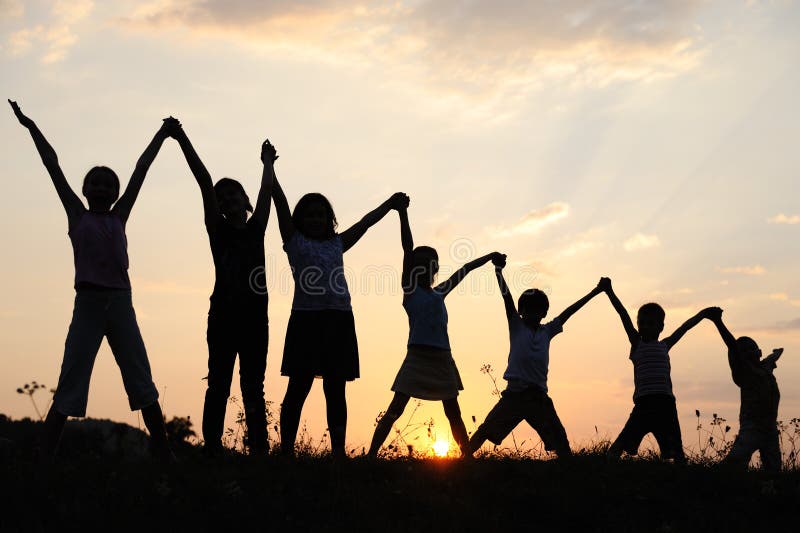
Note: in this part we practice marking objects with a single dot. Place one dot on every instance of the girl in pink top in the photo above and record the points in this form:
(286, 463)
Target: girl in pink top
(103, 305)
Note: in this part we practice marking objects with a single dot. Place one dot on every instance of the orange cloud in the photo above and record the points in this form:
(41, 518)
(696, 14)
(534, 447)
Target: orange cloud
(534, 221)
(755, 270)
(780, 218)
(476, 49)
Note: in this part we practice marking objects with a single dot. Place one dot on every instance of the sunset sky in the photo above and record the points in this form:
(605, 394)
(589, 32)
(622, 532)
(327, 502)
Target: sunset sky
(655, 142)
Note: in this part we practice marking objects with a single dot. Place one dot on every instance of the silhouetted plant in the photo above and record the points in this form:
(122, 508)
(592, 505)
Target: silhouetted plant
(29, 389)
(180, 432)
(405, 437)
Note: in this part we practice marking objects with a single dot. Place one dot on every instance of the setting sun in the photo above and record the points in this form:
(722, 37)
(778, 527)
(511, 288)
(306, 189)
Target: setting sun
(440, 448)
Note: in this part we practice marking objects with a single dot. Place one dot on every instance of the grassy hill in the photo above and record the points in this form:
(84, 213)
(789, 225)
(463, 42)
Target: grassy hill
(97, 488)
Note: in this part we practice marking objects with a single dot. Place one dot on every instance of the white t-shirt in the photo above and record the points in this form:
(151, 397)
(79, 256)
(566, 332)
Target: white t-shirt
(529, 356)
(318, 271)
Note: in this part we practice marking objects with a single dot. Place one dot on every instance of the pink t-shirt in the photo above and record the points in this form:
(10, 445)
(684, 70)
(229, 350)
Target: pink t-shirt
(101, 251)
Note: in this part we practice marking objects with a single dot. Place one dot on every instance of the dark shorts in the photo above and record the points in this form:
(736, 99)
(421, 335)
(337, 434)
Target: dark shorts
(654, 414)
(763, 438)
(533, 406)
(321, 343)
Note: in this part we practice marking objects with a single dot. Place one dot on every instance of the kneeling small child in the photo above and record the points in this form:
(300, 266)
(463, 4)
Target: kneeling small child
(760, 396)
(525, 397)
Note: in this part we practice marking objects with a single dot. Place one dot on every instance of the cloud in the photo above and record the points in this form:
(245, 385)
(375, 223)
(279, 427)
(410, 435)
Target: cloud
(579, 246)
(780, 218)
(755, 270)
(640, 241)
(477, 48)
(11, 9)
(783, 297)
(534, 221)
(56, 35)
(787, 325)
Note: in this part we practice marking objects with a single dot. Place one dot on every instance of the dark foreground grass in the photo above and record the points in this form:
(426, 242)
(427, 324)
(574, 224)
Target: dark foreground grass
(272, 494)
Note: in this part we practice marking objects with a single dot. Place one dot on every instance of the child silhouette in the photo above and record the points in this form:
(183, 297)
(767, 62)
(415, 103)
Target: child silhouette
(103, 305)
(321, 336)
(758, 413)
(654, 408)
(237, 318)
(428, 371)
(525, 397)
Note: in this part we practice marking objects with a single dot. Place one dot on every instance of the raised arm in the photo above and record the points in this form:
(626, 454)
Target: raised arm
(285, 223)
(452, 282)
(351, 235)
(627, 323)
(724, 332)
(572, 309)
(407, 241)
(72, 204)
(124, 205)
(268, 157)
(508, 300)
(201, 175)
(772, 359)
(673, 339)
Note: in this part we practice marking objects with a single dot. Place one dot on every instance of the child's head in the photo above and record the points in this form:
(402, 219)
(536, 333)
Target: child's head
(425, 266)
(650, 321)
(533, 305)
(231, 198)
(313, 216)
(101, 188)
(748, 348)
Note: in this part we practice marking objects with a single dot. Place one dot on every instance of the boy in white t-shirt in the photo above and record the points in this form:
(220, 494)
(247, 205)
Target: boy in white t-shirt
(525, 397)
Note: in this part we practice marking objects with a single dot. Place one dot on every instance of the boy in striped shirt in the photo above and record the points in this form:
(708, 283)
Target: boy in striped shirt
(653, 402)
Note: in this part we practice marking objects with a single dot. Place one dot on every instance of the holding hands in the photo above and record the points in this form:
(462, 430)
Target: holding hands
(399, 201)
(498, 260)
(604, 285)
(268, 153)
(714, 314)
(170, 127)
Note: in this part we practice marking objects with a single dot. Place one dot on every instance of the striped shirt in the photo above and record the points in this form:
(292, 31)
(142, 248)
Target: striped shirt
(651, 369)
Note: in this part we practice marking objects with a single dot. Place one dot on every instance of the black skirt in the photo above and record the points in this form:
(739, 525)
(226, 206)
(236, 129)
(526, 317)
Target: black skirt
(322, 344)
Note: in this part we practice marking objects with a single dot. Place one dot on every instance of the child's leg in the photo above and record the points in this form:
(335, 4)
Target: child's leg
(453, 413)
(80, 350)
(632, 433)
(336, 407)
(154, 421)
(296, 393)
(393, 412)
(542, 416)
(667, 431)
(53, 428)
(770, 451)
(252, 366)
(221, 358)
(745, 443)
(129, 351)
(500, 421)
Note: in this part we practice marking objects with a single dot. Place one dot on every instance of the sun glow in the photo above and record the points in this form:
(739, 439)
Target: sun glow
(440, 448)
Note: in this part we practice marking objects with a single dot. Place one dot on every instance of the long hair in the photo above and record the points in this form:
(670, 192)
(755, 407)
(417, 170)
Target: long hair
(308, 200)
(230, 183)
(422, 259)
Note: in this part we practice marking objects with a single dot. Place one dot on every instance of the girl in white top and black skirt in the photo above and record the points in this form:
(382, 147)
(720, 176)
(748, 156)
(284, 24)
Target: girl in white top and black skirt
(321, 335)
(428, 371)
